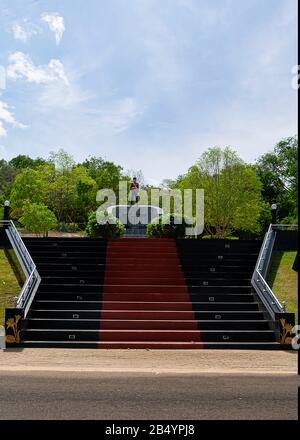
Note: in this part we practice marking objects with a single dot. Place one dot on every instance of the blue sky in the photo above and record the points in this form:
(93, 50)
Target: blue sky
(148, 84)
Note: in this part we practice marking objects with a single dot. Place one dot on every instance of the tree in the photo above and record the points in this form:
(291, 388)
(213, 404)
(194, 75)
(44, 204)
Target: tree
(86, 189)
(93, 165)
(62, 160)
(7, 176)
(71, 194)
(37, 218)
(278, 172)
(106, 174)
(29, 186)
(21, 162)
(232, 192)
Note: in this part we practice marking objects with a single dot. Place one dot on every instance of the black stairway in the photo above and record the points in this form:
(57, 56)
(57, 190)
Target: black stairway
(66, 309)
(218, 275)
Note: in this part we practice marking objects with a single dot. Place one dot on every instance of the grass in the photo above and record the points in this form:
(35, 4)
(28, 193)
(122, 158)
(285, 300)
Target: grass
(283, 280)
(9, 287)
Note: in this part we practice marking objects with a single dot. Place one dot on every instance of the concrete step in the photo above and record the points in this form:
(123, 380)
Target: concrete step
(110, 324)
(150, 335)
(162, 345)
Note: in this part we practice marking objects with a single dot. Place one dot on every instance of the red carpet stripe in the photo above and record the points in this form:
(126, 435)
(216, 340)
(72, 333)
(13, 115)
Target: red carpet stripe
(146, 303)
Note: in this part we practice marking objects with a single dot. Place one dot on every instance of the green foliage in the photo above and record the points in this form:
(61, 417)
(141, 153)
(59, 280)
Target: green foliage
(237, 196)
(71, 194)
(232, 192)
(7, 176)
(38, 218)
(291, 219)
(167, 225)
(283, 280)
(29, 187)
(22, 162)
(106, 174)
(278, 172)
(62, 160)
(101, 224)
(68, 227)
(9, 287)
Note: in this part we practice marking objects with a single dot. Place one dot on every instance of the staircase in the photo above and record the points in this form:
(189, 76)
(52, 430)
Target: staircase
(146, 293)
(66, 308)
(218, 276)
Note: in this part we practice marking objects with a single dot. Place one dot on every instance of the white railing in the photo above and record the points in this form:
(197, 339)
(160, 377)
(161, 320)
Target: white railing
(258, 280)
(33, 278)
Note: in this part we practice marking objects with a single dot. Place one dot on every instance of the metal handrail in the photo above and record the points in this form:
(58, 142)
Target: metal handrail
(33, 278)
(258, 280)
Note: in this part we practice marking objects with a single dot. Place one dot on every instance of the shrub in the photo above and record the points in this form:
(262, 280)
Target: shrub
(101, 224)
(68, 227)
(291, 219)
(166, 226)
(38, 218)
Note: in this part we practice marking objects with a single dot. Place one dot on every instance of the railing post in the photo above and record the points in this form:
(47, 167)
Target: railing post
(6, 210)
(13, 326)
(286, 323)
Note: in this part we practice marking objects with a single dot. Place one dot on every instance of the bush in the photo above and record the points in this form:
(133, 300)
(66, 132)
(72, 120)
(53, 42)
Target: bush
(38, 218)
(291, 219)
(68, 227)
(101, 224)
(165, 226)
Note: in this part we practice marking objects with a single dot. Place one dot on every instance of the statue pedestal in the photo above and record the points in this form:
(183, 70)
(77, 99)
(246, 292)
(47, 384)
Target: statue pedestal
(135, 217)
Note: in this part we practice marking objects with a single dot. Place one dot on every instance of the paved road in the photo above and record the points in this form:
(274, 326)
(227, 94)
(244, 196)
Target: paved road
(148, 396)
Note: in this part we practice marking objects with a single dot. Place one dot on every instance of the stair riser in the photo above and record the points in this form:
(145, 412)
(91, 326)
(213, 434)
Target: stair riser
(161, 272)
(144, 267)
(183, 244)
(81, 305)
(144, 315)
(159, 345)
(98, 288)
(149, 297)
(147, 325)
(149, 336)
(66, 247)
(80, 288)
(219, 289)
(68, 254)
(125, 281)
(67, 260)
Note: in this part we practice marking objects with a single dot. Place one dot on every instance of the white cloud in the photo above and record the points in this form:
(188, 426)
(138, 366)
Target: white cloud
(24, 30)
(22, 67)
(57, 95)
(120, 115)
(19, 32)
(161, 50)
(7, 117)
(56, 24)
